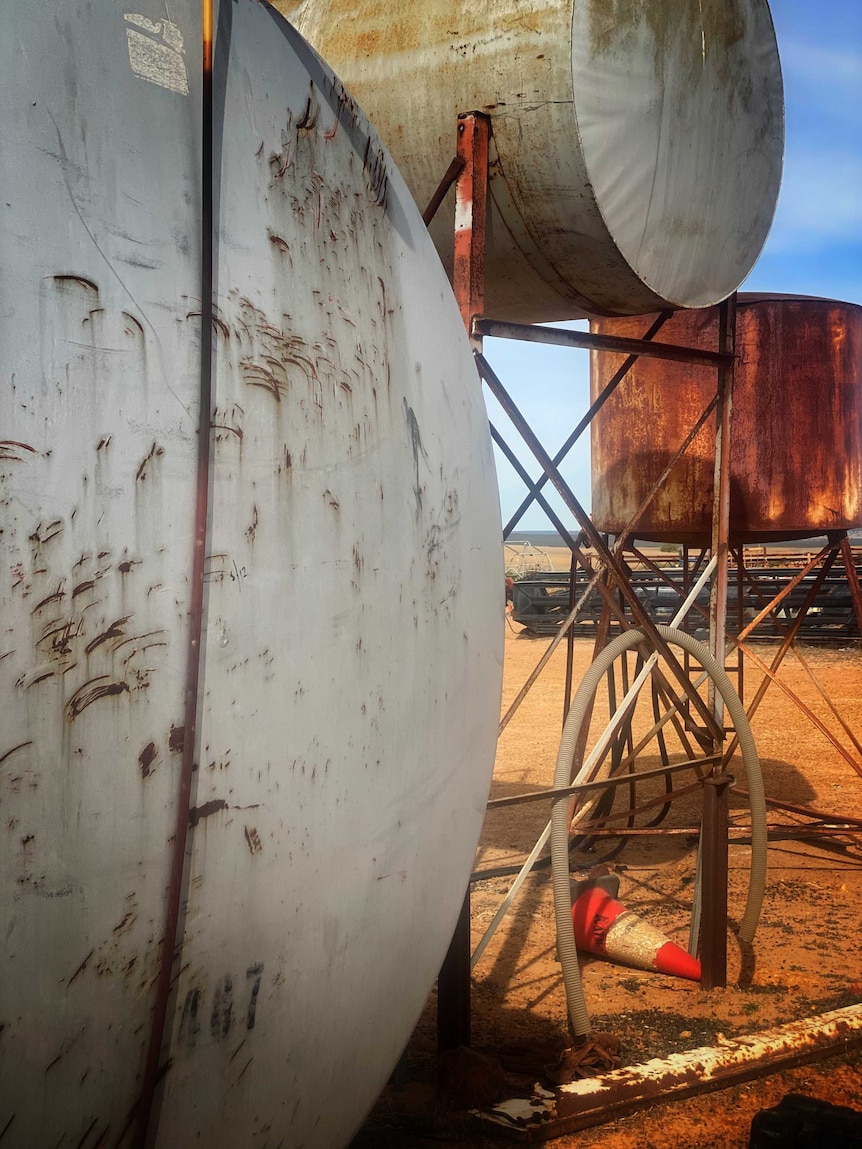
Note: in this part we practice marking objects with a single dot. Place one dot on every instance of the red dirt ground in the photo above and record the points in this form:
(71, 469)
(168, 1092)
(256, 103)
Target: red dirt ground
(807, 955)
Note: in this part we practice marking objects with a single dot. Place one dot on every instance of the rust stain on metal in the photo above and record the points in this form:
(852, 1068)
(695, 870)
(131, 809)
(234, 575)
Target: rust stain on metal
(796, 435)
(253, 838)
(92, 691)
(14, 750)
(44, 534)
(80, 968)
(10, 451)
(80, 280)
(146, 758)
(133, 319)
(58, 594)
(115, 630)
(198, 813)
(154, 453)
(252, 527)
(176, 738)
(468, 276)
(125, 923)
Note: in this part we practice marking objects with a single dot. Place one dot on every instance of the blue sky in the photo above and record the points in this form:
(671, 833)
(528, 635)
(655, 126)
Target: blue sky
(814, 247)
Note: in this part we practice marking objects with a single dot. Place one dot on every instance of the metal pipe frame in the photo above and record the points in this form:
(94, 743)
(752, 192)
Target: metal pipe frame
(608, 559)
(771, 671)
(560, 337)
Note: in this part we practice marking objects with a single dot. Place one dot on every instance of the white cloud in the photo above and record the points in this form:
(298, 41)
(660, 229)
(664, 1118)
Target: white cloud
(827, 74)
(820, 203)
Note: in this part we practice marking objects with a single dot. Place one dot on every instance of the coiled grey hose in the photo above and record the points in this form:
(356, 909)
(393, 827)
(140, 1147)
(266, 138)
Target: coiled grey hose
(566, 947)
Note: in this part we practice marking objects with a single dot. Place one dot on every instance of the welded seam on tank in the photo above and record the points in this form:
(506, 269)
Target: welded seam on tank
(147, 1116)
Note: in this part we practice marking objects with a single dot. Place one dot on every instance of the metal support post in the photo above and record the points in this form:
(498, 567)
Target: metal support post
(471, 213)
(713, 933)
(453, 986)
(714, 854)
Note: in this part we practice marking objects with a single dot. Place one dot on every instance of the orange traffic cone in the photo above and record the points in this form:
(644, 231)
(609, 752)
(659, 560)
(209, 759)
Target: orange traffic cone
(605, 927)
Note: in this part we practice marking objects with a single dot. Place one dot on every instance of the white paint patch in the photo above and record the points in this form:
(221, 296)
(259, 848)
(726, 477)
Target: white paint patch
(156, 52)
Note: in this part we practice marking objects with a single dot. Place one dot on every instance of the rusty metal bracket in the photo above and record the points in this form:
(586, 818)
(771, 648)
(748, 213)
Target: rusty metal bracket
(452, 173)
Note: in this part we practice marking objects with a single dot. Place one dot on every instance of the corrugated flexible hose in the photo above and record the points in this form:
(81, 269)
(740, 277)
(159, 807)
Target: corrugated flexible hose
(566, 948)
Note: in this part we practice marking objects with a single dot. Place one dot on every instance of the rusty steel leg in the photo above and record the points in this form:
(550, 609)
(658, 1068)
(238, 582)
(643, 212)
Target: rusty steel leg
(471, 212)
(713, 931)
(852, 579)
(570, 639)
(471, 209)
(453, 986)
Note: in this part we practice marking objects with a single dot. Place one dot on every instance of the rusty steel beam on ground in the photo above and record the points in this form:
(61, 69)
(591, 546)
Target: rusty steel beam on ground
(594, 408)
(559, 337)
(596, 542)
(598, 1100)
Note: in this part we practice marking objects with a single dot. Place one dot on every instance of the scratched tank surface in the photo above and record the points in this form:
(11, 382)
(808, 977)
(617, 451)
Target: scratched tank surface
(796, 455)
(637, 147)
(320, 719)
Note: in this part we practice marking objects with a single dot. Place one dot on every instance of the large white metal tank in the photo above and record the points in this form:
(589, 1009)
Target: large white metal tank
(349, 645)
(637, 147)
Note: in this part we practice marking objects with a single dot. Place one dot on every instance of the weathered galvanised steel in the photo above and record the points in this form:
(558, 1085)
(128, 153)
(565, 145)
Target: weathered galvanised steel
(637, 148)
(250, 591)
(796, 452)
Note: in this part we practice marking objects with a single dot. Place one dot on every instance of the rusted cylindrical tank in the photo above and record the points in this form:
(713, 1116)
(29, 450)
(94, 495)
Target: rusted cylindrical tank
(250, 593)
(796, 435)
(636, 152)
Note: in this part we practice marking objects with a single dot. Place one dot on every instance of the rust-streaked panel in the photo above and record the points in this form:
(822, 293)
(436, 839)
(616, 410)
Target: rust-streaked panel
(796, 435)
(351, 614)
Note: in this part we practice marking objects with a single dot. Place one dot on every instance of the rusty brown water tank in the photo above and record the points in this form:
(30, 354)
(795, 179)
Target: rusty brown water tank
(796, 437)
